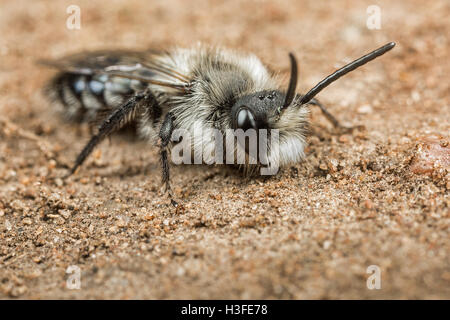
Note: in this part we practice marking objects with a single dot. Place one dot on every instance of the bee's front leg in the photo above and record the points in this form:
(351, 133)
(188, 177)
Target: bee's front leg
(165, 133)
(332, 119)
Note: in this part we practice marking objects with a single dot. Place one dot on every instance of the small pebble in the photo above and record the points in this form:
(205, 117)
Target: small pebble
(59, 182)
(368, 204)
(8, 225)
(344, 138)
(365, 109)
(431, 153)
(65, 213)
(327, 244)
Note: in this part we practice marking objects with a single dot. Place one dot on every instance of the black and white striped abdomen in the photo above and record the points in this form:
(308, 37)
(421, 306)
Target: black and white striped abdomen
(86, 97)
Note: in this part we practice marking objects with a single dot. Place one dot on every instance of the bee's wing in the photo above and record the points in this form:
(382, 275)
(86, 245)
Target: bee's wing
(143, 66)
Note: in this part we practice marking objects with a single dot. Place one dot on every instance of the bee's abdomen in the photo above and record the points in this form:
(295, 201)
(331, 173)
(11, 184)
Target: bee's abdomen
(84, 97)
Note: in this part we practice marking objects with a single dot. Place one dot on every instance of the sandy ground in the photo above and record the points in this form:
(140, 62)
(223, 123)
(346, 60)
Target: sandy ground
(379, 196)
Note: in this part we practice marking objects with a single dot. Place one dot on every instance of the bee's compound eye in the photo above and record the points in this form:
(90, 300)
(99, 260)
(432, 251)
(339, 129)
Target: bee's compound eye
(245, 119)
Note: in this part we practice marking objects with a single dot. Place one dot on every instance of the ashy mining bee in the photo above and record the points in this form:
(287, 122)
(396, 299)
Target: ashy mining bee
(161, 91)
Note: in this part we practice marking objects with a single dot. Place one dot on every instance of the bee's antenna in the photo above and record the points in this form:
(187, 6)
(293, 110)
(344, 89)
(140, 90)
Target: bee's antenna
(344, 70)
(292, 82)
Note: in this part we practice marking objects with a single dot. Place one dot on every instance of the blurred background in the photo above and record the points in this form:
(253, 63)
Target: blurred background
(323, 36)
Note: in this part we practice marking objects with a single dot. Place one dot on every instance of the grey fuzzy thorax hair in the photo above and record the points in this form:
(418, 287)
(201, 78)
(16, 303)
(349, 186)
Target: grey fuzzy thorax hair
(218, 77)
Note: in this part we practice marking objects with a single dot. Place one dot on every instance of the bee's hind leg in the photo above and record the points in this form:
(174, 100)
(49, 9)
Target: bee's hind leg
(112, 123)
(165, 133)
(331, 118)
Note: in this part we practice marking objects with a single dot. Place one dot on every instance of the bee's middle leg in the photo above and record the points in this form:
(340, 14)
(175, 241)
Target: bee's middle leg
(165, 133)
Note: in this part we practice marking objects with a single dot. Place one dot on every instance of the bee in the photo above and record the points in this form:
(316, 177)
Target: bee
(161, 91)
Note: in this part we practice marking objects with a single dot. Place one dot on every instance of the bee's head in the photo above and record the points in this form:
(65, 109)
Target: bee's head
(278, 110)
(273, 110)
(254, 111)
(259, 110)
